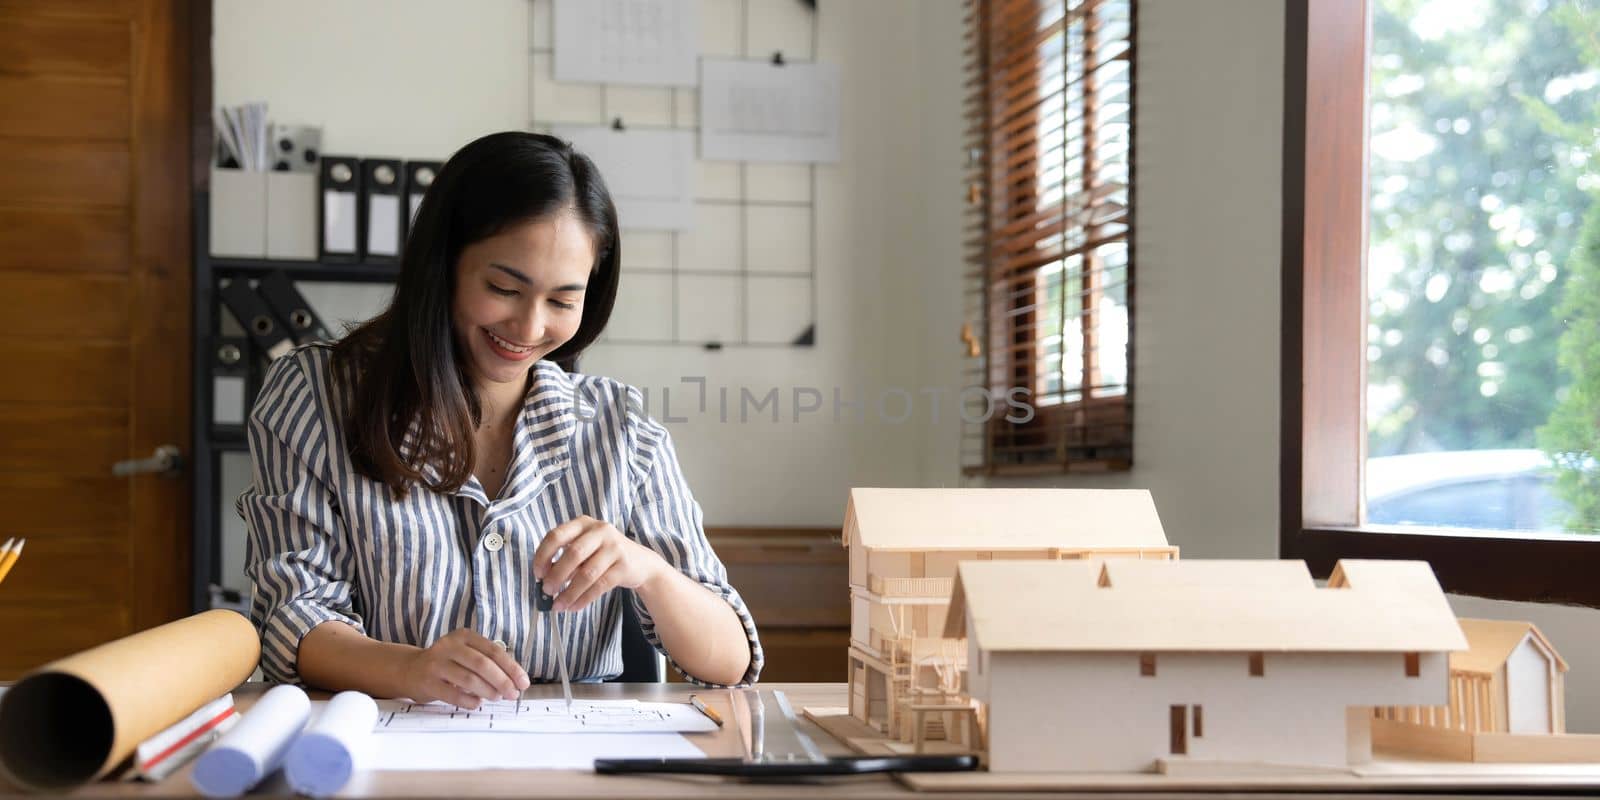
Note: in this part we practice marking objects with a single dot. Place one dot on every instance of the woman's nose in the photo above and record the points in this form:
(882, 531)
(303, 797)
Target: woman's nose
(530, 328)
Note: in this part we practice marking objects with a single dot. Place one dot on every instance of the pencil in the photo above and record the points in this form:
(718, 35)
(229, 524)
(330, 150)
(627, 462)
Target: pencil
(706, 710)
(9, 556)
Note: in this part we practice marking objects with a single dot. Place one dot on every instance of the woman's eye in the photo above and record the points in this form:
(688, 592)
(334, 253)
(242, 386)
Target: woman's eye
(559, 304)
(502, 291)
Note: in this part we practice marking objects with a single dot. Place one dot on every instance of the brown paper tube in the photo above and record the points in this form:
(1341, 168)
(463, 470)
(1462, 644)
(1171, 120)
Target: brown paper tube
(71, 721)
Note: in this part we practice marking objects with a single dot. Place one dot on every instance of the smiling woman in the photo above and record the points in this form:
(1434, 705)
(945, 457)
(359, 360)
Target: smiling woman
(414, 481)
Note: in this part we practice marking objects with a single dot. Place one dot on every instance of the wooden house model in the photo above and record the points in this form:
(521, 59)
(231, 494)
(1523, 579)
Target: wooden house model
(1506, 703)
(1132, 666)
(904, 545)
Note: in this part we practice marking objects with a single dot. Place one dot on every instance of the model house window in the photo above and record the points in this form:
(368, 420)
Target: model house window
(1199, 721)
(1441, 156)
(1413, 665)
(1258, 665)
(1147, 665)
(1050, 263)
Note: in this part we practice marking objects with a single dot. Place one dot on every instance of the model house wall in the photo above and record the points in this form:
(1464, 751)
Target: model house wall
(905, 548)
(1508, 681)
(1093, 667)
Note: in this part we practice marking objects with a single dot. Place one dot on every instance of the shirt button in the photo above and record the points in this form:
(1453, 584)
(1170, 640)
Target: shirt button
(493, 542)
(502, 645)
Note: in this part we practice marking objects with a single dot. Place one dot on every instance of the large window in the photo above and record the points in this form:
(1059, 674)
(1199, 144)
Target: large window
(1440, 290)
(1483, 166)
(1050, 286)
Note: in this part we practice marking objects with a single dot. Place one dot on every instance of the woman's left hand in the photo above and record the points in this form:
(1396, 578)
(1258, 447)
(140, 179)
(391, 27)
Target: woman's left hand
(595, 558)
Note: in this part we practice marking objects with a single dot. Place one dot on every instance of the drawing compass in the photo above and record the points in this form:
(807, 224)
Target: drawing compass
(546, 605)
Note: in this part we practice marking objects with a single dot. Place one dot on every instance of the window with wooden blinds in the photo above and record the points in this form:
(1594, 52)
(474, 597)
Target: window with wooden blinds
(1050, 245)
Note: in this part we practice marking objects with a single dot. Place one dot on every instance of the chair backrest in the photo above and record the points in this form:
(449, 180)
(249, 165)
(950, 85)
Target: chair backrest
(640, 662)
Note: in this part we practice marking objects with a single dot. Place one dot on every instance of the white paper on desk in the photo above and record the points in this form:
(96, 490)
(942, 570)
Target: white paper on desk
(643, 42)
(543, 716)
(759, 111)
(650, 173)
(427, 751)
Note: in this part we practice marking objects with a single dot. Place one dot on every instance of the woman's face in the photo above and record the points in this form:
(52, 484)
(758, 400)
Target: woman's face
(519, 296)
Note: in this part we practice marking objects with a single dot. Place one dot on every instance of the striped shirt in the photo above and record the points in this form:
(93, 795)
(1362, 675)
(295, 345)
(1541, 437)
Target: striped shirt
(326, 543)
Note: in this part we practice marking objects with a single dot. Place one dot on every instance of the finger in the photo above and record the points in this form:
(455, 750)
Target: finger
(604, 584)
(445, 692)
(502, 660)
(585, 577)
(494, 679)
(573, 556)
(556, 539)
(468, 680)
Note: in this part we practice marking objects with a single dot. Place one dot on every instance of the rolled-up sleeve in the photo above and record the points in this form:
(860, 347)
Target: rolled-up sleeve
(667, 519)
(295, 553)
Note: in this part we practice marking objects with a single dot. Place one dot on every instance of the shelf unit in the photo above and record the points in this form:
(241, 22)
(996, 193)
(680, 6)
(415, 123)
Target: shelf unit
(208, 442)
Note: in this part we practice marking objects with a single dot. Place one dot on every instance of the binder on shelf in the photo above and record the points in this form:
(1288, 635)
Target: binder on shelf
(339, 186)
(267, 334)
(381, 220)
(278, 290)
(230, 378)
(419, 176)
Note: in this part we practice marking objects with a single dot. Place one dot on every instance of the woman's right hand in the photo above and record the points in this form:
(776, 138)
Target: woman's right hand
(463, 668)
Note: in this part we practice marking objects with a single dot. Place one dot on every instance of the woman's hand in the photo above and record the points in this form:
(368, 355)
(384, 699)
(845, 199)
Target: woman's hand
(462, 668)
(594, 558)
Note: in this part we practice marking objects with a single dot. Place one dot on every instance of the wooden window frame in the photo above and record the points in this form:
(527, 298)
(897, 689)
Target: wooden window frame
(1323, 443)
(1092, 433)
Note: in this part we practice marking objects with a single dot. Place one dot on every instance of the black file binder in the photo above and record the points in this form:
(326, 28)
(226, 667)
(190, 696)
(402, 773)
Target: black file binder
(230, 384)
(338, 208)
(382, 223)
(264, 329)
(290, 306)
(419, 176)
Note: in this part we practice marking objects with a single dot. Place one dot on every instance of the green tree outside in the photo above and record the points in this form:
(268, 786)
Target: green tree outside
(1474, 205)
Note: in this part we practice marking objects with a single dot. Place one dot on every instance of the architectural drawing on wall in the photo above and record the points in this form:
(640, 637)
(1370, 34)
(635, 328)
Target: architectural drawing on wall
(650, 173)
(1507, 704)
(769, 111)
(905, 673)
(744, 273)
(639, 42)
(1191, 665)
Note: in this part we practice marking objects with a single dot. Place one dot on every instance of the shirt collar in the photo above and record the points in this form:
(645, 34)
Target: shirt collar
(543, 436)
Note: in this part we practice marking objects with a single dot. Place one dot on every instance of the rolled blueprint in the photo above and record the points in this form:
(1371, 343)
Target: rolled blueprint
(322, 760)
(72, 720)
(256, 746)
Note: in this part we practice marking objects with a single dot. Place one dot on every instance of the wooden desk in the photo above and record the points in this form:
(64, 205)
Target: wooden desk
(725, 742)
(562, 783)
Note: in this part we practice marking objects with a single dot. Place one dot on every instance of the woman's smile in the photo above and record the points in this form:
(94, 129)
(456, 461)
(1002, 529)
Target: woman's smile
(507, 349)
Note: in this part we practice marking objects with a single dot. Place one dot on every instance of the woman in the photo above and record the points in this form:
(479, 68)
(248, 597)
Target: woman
(415, 479)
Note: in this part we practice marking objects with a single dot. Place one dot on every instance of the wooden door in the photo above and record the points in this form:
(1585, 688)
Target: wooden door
(94, 350)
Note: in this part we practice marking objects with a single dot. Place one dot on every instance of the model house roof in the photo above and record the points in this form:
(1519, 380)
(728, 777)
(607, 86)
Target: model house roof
(1491, 642)
(1001, 519)
(1149, 606)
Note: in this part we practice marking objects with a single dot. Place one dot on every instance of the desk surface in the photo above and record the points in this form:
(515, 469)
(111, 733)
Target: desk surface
(568, 784)
(724, 742)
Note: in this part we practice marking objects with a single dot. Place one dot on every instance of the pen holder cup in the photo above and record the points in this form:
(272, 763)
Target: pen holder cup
(238, 213)
(292, 215)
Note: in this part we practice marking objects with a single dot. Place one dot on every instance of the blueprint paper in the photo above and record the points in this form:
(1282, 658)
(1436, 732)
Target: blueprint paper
(426, 751)
(640, 42)
(544, 716)
(760, 111)
(650, 173)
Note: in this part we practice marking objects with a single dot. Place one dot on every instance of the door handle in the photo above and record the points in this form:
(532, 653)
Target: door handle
(166, 460)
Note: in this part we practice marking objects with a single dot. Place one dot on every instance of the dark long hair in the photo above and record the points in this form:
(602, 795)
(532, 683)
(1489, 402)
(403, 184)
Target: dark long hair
(403, 367)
